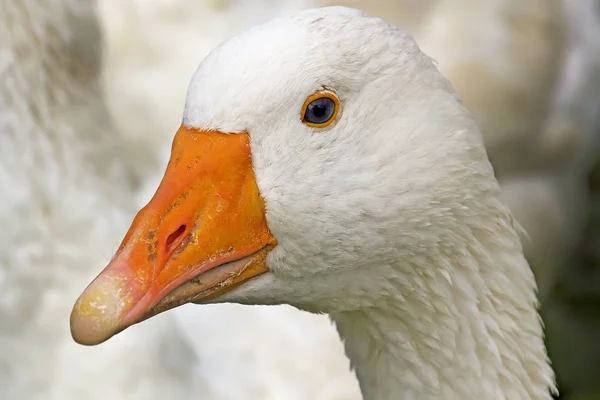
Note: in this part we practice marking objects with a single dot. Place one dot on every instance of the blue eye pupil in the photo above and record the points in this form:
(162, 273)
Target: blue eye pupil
(319, 111)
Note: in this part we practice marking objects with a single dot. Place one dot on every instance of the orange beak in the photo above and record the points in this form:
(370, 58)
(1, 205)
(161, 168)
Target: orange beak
(203, 233)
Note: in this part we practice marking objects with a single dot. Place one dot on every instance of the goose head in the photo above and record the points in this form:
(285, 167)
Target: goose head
(324, 162)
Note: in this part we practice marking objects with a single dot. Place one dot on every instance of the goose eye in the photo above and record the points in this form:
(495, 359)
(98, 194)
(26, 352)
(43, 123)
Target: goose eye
(320, 109)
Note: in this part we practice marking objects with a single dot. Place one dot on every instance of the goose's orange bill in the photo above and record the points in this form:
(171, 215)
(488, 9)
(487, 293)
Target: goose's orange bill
(203, 233)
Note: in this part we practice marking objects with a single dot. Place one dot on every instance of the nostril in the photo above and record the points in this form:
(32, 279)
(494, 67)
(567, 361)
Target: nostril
(173, 239)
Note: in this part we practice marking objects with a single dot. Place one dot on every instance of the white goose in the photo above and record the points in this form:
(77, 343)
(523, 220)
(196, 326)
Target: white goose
(325, 163)
(59, 169)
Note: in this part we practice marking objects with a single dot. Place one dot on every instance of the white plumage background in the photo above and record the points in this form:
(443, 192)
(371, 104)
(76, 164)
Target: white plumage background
(85, 135)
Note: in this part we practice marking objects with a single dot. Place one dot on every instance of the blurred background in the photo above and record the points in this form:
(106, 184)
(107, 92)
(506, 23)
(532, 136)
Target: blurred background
(91, 93)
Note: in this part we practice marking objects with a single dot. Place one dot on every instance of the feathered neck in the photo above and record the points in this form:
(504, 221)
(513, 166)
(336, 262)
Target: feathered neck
(462, 325)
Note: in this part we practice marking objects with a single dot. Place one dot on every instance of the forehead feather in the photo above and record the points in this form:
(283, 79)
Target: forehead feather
(293, 55)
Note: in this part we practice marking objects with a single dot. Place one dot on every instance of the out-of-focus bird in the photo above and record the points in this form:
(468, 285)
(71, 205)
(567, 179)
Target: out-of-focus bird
(65, 196)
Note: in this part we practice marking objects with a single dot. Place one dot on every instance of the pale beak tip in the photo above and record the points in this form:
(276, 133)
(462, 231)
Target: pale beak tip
(97, 314)
(84, 331)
